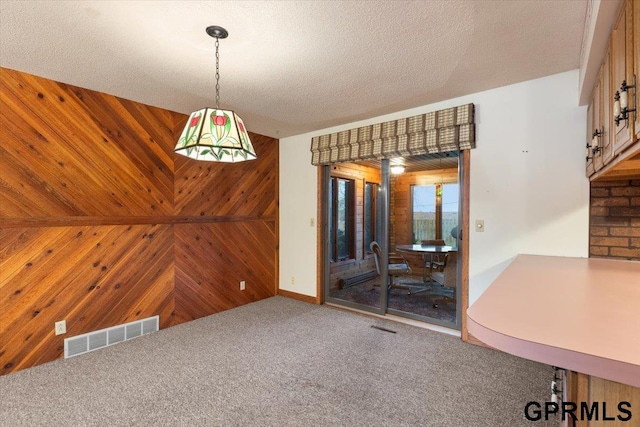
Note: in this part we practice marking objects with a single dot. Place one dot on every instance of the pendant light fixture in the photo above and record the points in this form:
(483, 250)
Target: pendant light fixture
(212, 134)
(397, 169)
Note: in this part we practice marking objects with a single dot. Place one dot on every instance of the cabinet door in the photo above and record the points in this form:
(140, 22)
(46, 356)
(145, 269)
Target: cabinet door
(590, 168)
(606, 108)
(636, 61)
(622, 69)
(597, 121)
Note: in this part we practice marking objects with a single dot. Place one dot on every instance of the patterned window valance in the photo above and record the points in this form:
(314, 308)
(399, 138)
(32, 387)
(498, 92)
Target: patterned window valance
(436, 132)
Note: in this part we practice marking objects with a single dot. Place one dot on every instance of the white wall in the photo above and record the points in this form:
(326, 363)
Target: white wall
(298, 205)
(527, 181)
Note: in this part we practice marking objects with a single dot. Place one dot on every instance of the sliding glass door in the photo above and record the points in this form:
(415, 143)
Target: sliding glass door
(374, 218)
(354, 199)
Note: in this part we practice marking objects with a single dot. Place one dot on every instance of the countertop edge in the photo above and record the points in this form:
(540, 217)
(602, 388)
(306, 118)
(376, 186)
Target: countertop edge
(608, 369)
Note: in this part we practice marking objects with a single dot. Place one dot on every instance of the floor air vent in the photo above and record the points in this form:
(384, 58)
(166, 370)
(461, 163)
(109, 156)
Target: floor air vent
(104, 337)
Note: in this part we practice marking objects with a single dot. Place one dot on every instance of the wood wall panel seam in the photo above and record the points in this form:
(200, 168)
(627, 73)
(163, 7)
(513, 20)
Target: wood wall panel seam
(84, 220)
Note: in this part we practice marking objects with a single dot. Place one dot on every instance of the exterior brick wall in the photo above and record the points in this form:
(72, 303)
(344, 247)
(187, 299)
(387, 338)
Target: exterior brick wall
(614, 229)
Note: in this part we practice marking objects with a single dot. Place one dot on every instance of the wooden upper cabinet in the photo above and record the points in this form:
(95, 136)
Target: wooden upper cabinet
(597, 122)
(620, 143)
(636, 61)
(622, 70)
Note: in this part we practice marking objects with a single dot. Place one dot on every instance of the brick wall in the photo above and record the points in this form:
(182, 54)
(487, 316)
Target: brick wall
(614, 229)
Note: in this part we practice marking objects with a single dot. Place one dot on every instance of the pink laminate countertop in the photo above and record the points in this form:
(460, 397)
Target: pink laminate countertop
(575, 313)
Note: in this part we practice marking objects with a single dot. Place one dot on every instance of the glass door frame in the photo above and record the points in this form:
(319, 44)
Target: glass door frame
(383, 211)
(382, 309)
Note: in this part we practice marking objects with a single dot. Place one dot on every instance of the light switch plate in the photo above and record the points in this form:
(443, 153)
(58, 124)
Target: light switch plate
(479, 225)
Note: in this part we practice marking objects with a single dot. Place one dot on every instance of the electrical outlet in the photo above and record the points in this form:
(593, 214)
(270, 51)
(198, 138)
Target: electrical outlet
(61, 327)
(242, 285)
(293, 280)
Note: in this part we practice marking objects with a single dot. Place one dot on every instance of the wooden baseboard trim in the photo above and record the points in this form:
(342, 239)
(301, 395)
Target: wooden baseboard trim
(475, 341)
(299, 297)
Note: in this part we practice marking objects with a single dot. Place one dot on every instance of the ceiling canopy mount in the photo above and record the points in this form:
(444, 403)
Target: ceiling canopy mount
(217, 32)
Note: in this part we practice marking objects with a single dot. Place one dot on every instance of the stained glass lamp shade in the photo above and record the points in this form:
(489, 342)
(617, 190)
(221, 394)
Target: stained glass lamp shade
(215, 135)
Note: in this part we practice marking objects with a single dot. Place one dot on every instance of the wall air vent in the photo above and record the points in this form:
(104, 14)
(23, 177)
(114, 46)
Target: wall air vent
(105, 337)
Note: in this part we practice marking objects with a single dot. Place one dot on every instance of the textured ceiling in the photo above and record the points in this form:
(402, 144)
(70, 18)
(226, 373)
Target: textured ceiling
(292, 66)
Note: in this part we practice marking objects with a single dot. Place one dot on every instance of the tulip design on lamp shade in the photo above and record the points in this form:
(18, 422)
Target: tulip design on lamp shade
(220, 137)
(213, 134)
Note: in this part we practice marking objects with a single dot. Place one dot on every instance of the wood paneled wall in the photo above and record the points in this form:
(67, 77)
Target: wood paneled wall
(101, 223)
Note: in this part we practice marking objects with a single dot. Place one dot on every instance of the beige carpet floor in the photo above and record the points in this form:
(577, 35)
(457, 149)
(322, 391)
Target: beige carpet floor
(279, 362)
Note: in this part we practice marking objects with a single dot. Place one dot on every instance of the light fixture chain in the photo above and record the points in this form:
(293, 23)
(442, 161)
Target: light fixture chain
(217, 74)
